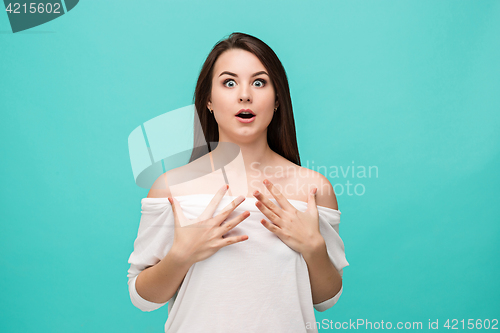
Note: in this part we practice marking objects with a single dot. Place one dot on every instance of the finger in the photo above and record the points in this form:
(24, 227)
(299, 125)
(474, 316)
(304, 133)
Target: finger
(268, 203)
(269, 214)
(311, 201)
(214, 203)
(280, 198)
(232, 240)
(228, 225)
(179, 218)
(271, 227)
(228, 209)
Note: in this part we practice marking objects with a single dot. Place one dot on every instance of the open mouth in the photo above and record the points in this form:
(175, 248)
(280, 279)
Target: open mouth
(245, 115)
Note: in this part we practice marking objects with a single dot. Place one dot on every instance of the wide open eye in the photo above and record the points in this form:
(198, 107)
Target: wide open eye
(262, 81)
(226, 81)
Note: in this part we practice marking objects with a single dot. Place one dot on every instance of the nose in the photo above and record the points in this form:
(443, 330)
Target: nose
(245, 95)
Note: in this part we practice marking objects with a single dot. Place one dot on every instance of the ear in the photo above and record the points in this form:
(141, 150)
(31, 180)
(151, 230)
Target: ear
(276, 104)
(209, 104)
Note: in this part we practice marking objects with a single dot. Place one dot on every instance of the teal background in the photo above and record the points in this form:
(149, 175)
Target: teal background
(411, 87)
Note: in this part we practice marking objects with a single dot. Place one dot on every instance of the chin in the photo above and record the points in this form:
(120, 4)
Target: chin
(245, 135)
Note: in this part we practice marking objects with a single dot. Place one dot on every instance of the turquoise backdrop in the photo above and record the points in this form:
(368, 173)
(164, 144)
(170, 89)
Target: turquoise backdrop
(411, 88)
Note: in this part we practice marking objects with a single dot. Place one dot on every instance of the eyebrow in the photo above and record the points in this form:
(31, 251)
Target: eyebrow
(254, 74)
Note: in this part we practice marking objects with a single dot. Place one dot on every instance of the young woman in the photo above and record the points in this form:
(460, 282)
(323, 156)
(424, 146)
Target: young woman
(263, 260)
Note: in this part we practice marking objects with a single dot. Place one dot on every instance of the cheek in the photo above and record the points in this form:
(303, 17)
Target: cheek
(269, 105)
(267, 117)
(221, 99)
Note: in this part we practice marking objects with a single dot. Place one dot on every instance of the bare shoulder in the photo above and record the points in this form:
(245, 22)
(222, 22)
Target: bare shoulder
(160, 188)
(303, 180)
(182, 180)
(325, 196)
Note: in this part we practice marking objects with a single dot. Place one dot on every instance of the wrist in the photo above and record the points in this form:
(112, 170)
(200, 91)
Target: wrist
(315, 248)
(180, 258)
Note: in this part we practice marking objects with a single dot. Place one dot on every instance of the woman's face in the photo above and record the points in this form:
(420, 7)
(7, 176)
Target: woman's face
(240, 81)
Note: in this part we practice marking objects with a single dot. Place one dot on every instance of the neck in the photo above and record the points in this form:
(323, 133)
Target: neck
(256, 154)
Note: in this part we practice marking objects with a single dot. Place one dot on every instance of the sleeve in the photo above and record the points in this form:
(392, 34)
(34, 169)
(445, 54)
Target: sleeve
(329, 220)
(154, 240)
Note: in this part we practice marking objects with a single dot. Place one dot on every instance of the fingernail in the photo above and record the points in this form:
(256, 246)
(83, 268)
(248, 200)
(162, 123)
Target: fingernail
(225, 187)
(170, 200)
(314, 191)
(256, 193)
(266, 182)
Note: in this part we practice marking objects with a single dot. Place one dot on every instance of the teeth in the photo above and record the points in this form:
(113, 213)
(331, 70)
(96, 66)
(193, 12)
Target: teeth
(245, 112)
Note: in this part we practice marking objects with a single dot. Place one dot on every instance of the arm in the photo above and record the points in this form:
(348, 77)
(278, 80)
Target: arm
(159, 283)
(326, 282)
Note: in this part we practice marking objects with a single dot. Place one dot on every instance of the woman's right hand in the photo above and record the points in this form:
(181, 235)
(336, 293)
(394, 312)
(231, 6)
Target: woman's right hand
(196, 240)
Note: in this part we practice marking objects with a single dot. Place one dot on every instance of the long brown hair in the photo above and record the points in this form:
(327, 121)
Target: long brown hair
(281, 135)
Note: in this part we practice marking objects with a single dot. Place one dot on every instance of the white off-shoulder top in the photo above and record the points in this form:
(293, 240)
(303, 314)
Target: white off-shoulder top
(258, 285)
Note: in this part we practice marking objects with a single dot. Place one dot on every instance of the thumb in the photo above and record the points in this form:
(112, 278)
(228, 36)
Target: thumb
(311, 201)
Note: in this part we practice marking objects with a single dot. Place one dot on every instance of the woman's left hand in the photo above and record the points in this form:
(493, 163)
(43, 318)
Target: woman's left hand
(299, 230)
